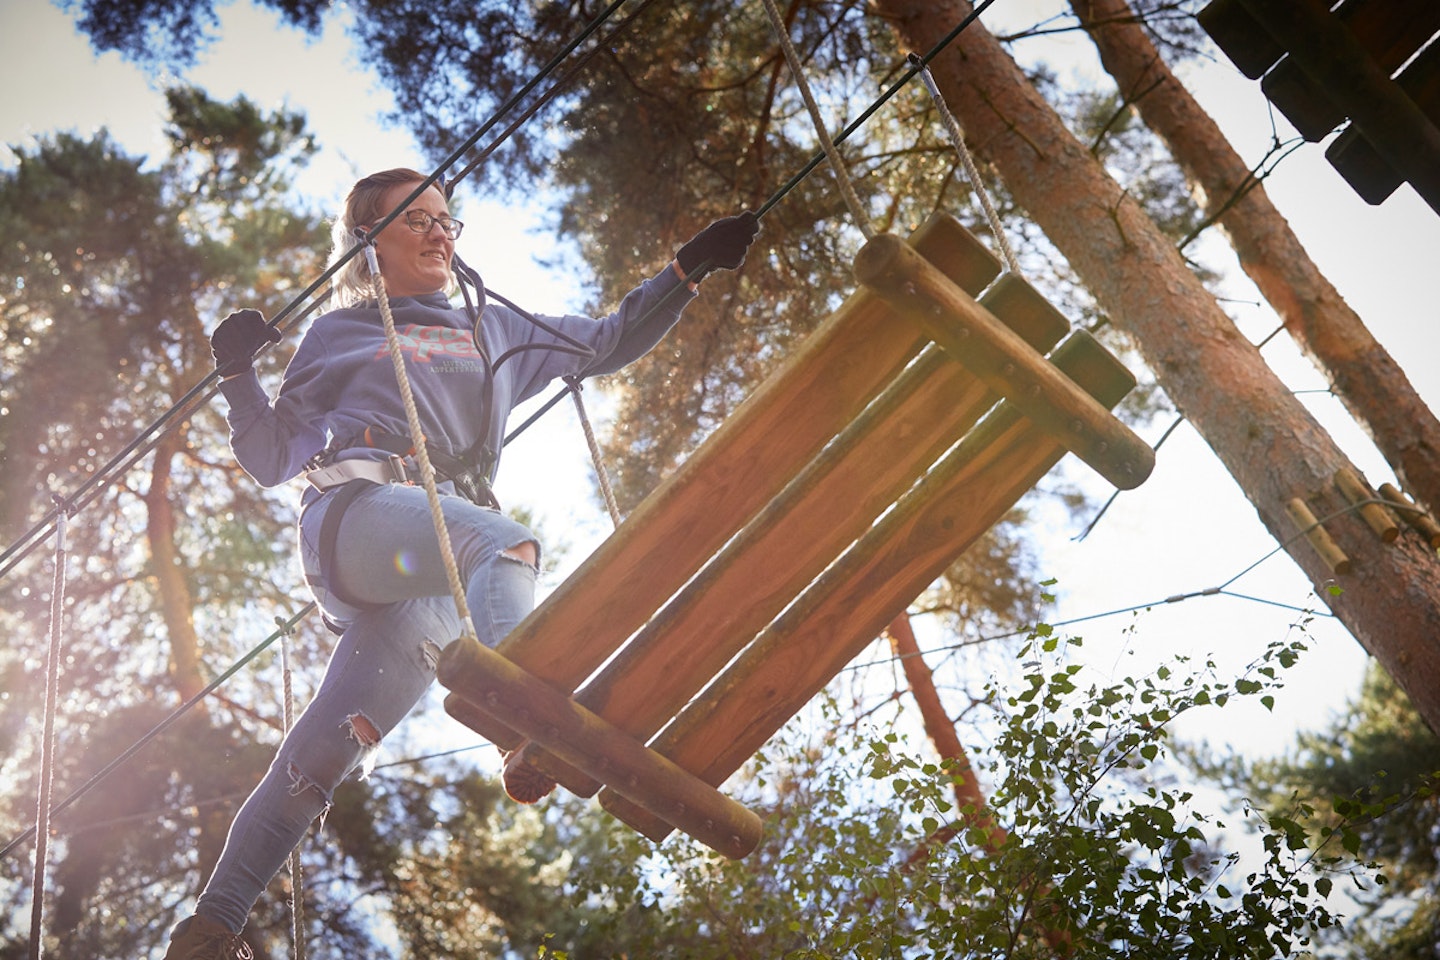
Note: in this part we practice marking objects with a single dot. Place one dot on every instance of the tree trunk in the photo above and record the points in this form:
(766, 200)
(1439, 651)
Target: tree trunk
(1364, 376)
(941, 731)
(1390, 601)
(176, 604)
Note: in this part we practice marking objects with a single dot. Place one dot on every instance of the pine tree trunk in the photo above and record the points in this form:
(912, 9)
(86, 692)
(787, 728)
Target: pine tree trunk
(1274, 449)
(176, 603)
(941, 731)
(1364, 376)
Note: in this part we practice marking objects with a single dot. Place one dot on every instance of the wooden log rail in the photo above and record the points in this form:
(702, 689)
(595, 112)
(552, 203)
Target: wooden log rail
(873, 446)
(642, 776)
(974, 337)
(960, 498)
(831, 378)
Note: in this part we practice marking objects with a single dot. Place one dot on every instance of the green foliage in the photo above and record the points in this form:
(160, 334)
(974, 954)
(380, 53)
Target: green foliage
(1372, 780)
(1087, 846)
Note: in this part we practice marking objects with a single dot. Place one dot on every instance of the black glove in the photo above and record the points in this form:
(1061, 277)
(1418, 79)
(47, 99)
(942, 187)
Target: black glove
(238, 338)
(721, 245)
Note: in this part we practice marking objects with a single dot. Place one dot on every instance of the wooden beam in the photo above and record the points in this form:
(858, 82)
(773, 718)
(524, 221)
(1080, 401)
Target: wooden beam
(583, 739)
(842, 612)
(957, 322)
(833, 374)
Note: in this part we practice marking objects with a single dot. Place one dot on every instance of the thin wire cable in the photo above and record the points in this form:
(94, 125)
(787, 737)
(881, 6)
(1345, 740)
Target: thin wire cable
(47, 745)
(417, 435)
(297, 870)
(837, 162)
(162, 726)
(94, 485)
(1221, 590)
(46, 524)
(906, 76)
(957, 139)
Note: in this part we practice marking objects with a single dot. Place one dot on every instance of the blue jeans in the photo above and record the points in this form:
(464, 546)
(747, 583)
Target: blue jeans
(387, 554)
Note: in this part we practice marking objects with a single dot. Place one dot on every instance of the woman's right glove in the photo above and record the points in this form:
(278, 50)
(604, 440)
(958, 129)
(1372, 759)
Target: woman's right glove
(238, 338)
(721, 245)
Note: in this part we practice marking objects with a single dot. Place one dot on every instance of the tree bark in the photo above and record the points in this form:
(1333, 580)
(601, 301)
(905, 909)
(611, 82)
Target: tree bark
(941, 731)
(1363, 375)
(1390, 601)
(176, 603)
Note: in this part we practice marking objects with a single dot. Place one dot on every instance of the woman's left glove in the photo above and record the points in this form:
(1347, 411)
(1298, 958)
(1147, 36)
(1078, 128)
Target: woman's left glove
(238, 338)
(721, 245)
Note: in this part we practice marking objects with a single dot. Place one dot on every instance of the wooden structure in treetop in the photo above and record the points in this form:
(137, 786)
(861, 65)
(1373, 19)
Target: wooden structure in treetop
(830, 499)
(1373, 63)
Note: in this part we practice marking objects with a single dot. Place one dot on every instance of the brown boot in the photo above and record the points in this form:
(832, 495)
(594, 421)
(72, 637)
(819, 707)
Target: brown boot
(524, 782)
(199, 938)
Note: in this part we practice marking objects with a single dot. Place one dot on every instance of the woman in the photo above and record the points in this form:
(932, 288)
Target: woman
(367, 539)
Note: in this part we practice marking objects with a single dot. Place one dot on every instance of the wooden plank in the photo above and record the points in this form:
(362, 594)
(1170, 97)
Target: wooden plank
(821, 512)
(642, 776)
(1002, 359)
(850, 604)
(1327, 51)
(1240, 36)
(1355, 157)
(835, 372)
(1389, 31)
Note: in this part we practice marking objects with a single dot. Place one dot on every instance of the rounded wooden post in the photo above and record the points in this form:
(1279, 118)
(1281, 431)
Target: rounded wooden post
(1000, 357)
(1319, 538)
(587, 742)
(1355, 490)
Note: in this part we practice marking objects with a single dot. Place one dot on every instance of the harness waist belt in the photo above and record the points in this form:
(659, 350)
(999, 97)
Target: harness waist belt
(376, 471)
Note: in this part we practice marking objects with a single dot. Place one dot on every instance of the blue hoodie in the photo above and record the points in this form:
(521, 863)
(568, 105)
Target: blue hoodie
(341, 379)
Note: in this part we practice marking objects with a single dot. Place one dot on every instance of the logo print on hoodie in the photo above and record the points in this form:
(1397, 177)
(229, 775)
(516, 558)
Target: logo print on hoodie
(424, 344)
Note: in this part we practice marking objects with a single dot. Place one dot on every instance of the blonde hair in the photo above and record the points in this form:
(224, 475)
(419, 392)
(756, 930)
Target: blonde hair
(365, 205)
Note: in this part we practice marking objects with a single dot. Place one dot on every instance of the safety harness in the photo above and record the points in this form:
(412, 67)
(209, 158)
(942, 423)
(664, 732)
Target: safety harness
(345, 480)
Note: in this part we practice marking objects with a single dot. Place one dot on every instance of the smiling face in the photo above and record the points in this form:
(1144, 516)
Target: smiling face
(414, 263)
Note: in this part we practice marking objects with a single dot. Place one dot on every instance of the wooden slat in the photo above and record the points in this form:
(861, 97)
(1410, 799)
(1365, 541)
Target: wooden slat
(849, 605)
(1240, 36)
(583, 739)
(1389, 31)
(1355, 156)
(957, 322)
(835, 372)
(820, 513)
(1327, 51)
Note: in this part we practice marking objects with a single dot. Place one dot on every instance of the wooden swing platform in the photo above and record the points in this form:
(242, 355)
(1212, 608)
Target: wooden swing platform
(830, 499)
(1368, 64)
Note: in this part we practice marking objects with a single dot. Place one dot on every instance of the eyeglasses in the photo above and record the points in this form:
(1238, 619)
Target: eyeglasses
(422, 222)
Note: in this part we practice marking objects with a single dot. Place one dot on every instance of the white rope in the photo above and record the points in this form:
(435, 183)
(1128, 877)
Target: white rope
(957, 138)
(47, 743)
(832, 153)
(422, 456)
(595, 456)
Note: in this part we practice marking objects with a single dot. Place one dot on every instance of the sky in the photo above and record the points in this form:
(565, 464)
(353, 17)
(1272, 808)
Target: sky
(1187, 529)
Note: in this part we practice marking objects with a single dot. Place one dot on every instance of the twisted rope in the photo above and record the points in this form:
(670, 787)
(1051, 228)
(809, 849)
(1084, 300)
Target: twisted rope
(832, 152)
(47, 743)
(595, 456)
(297, 871)
(417, 435)
(957, 138)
